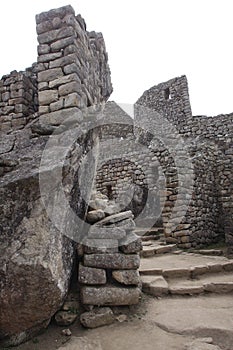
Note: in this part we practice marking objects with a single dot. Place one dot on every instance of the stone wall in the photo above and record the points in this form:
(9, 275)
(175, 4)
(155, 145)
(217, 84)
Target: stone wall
(73, 73)
(18, 100)
(210, 141)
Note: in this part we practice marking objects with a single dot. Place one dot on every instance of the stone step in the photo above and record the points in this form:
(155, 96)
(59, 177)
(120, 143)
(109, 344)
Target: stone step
(152, 231)
(160, 286)
(154, 248)
(187, 265)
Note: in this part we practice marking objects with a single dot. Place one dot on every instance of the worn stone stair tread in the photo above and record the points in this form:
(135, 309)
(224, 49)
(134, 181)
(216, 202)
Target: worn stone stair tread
(184, 261)
(154, 285)
(219, 283)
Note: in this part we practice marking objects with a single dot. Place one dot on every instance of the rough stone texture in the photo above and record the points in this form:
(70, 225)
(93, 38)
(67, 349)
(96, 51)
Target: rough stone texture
(97, 318)
(65, 318)
(36, 258)
(113, 261)
(82, 343)
(129, 277)
(95, 215)
(131, 244)
(90, 275)
(106, 232)
(101, 246)
(110, 295)
(116, 218)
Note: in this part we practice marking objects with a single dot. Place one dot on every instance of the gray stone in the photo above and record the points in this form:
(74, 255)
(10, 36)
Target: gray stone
(90, 275)
(62, 116)
(113, 261)
(93, 246)
(129, 277)
(65, 318)
(110, 295)
(130, 244)
(69, 88)
(97, 318)
(95, 215)
(106, 232)
(113, 219)
(50, 74)
(48, 96)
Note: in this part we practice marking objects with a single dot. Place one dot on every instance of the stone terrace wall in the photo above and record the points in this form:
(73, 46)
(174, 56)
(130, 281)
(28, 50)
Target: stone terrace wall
(18, 100)
(170, 99)
(72, 66)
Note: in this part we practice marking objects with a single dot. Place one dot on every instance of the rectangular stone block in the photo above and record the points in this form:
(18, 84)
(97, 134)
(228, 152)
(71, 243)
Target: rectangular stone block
(47, 96)
(49, 57)
(130, 244)
(56, 34)
(69, 88)
(106, 233)
(61, 116)
(113, 261)
(50, 74)
(64, 80)
(110, 295)
(90, 275)
(63, 61)
(100, 246)
(62, 43)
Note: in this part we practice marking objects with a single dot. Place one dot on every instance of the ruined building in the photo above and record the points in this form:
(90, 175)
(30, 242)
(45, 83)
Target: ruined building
(61, 141)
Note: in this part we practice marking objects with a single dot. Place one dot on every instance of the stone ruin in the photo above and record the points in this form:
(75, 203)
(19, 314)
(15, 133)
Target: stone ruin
(163, 168)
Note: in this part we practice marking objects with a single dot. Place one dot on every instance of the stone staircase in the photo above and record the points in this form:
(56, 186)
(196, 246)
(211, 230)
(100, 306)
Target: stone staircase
(166, 270)
(186, 274)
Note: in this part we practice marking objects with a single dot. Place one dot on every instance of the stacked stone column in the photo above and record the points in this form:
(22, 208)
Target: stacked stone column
(108, 271)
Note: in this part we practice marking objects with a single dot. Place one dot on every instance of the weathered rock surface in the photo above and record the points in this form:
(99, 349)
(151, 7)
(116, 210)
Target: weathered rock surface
(127, 277)
(102, 246)
(113, 261)
(90, 275)
(65, 318)
(116, 218)
(110, 295)
(131, 244)
(97, 318)
(95, 215)
(106, 232)
(81, 343)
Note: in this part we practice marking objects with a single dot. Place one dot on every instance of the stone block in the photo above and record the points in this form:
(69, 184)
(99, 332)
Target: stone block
(50, 74)
(49, 57)
(65, 318)
(47, 96)
(74, 100)
(90, 275)
(106, 233)
(62, 116)
(100, 246)
(54, 35)
(112, 219)
(97, 317)
(130, 244)
(113, 261)
(69, 88)
(62, 61)
(63, 80)
(95, 215)
(110, 295)
(128, 277)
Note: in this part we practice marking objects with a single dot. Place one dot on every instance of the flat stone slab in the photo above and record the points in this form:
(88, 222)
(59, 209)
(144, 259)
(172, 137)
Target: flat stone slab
(110, 295)
(186, 261)
(98, 317)
(95, 215)
(113, 261)
(154, 285)
(106, 232)
(115, 218)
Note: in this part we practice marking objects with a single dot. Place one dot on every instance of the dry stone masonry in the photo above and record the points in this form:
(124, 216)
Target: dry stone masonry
(165, 169)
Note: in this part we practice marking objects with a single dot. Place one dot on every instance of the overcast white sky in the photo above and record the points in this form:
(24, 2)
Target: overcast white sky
(148, 42)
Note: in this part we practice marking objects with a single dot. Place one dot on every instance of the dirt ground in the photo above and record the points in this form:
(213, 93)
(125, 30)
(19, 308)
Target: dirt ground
(163, 324)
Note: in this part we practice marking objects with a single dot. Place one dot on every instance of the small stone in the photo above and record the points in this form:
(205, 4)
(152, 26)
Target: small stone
(95, 215)
(121, 318)
(90, 275)
(65, 318)
(97, 318)
(66, 332)
(100, 246)
(131, 244)
(127, 277)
